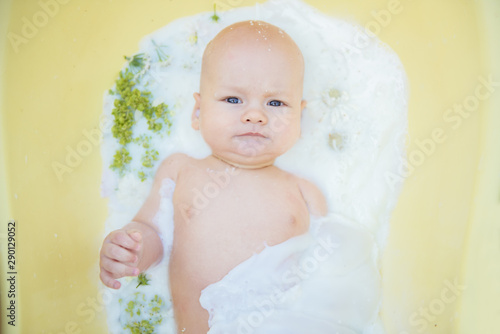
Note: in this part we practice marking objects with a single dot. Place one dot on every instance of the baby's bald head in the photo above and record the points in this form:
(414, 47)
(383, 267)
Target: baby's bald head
(252, 78)
(250, 37)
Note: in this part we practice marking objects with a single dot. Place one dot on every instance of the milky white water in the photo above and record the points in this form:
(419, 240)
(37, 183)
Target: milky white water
(352, 146)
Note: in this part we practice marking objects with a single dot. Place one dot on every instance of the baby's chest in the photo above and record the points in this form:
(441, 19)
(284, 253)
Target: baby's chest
(241, 205)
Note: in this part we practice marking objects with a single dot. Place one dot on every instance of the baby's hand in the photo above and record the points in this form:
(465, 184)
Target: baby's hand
(120, 254)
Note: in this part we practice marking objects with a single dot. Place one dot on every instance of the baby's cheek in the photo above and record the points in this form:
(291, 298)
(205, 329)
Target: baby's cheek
(208, 125)
(279, 123)
(288, 125)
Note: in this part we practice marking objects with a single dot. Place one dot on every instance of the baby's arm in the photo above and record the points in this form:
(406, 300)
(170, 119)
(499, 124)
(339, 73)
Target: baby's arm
(137, 246)
(313, 197)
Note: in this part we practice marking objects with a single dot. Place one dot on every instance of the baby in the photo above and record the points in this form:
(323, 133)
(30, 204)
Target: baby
(248, 111)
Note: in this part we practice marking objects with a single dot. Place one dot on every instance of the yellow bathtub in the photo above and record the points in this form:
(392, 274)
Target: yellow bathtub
(441, 266)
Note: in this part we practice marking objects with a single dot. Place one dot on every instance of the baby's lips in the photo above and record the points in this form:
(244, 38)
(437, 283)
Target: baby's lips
(253, 134)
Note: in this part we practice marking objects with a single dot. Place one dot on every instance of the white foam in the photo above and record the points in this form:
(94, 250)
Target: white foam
(353, 127)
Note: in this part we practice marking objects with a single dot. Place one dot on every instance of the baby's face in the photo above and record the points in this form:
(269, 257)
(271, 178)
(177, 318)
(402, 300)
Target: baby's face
(250, 99)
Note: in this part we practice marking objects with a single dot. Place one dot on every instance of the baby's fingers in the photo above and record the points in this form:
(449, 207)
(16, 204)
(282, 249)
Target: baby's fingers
(108, 280)
(117, 269)
(117, 253)
(123, 239)
(135, 235)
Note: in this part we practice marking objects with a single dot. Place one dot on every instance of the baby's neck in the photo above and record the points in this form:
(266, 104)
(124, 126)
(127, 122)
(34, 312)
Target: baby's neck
(236, 165)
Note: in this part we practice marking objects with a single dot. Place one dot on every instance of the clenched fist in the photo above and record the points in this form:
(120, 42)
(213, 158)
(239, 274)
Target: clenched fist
(120, 255)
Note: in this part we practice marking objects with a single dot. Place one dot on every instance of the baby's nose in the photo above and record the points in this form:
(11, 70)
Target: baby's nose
(254, 115)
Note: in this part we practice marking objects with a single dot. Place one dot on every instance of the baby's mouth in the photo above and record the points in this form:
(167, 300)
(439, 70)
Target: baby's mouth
(252, 134)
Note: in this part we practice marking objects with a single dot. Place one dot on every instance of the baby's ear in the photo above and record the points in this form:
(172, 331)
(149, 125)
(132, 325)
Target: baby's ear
(195, 116)
(303, 104)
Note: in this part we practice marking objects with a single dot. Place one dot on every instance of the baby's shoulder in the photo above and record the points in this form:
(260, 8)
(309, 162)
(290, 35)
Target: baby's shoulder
(295, 179)
(172, 165)
(313, 196)
(303, 184)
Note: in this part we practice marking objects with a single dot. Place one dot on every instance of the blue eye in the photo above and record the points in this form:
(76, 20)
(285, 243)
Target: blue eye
(232, 100)
(276, 103)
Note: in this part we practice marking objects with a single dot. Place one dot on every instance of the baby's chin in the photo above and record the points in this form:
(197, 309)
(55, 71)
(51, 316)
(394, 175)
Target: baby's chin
(250, 152)
(247, 159)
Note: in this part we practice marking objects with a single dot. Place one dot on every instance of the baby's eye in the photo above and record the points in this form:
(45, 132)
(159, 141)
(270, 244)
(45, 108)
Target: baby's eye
(276, 103)
(232, 99)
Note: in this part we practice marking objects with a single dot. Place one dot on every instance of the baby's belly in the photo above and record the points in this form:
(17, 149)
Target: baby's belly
(206, 248)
